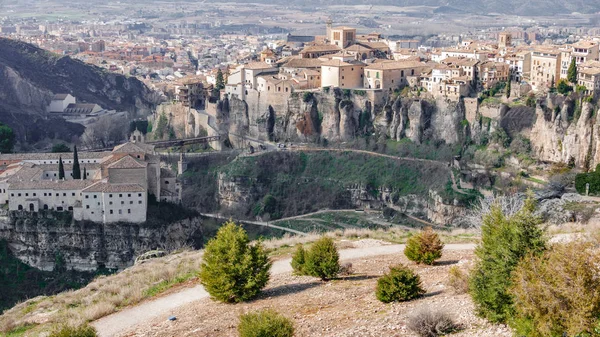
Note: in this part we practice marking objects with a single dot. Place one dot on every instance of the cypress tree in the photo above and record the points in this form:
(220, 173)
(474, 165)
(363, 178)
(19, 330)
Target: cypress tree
(76, 168)
(84, 174)
(508, 88)
(61, 169)
(572, 72)
(220, 81)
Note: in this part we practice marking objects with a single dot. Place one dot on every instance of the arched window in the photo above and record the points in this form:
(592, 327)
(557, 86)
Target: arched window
(20, 208)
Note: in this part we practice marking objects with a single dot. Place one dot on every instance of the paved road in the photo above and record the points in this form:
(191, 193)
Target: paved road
(129, 318)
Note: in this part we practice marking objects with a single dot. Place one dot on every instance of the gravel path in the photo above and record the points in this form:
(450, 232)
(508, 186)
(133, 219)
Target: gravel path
(128, 318)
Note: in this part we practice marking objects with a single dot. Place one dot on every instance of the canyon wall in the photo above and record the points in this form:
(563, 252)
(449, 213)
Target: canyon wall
(39, 239)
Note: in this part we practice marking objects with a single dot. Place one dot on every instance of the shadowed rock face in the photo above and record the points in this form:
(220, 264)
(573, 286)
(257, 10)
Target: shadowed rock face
(29, 76)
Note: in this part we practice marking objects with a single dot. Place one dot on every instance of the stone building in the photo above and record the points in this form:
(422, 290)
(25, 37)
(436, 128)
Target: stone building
(116, 185)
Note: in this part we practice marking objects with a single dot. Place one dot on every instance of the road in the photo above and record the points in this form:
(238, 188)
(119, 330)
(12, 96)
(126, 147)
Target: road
(129, 318)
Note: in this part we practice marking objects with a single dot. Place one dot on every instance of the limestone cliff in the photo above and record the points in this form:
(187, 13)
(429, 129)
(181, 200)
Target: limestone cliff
(340, 115)
(37, 240)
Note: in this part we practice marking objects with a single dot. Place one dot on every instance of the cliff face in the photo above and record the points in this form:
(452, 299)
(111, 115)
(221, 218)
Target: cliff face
(564, 130)
(37, 240)
(339, 116)
(29, 76)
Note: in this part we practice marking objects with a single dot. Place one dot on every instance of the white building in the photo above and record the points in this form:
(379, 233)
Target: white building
(60, 102)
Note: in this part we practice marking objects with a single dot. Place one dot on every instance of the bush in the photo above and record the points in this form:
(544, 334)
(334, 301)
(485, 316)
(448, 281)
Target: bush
(298, 260)
(266, 323)
(558, 293)
(79, 331)
(429, 323)
(458, 280)
(400, 284)
(504, 241)
(233, 270)
(322, 260)
(424, 247)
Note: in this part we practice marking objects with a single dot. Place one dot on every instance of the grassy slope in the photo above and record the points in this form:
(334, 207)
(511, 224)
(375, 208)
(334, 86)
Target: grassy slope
(306, 182)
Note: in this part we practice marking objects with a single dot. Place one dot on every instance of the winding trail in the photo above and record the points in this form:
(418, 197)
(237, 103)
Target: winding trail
(129, 318)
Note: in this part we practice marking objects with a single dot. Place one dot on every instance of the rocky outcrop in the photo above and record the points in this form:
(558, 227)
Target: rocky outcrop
(40, 239)
(29, 76)
(563, 130)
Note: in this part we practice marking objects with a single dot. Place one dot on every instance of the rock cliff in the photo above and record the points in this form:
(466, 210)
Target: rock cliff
(37, 240)
(29, 76)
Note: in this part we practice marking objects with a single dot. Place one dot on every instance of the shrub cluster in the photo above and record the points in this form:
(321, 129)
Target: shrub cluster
(266, 323)
(458, 280)
(321, 260)
(558, 293)
(592, 178)
(78, 331)
(424, 247)
(400, 284)
(429, 323)
(233, 270)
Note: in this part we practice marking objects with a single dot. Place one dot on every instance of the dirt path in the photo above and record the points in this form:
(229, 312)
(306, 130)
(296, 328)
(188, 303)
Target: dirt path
(129, 318)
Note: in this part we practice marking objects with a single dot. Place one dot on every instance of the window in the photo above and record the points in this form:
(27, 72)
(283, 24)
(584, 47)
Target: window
(87, 206)
(95, 196)
(87, 196)
(140, 195)
(140, 202)
(110, 195)
(19, 194)
(166, 182)
(129, 195)
(12, 194)
(64, 194)
(129, 210)
(73, 194)
(342, 77)
(111, 211)
(120, 211)
(122, 202)
(35, 194)
(110, 202)
(131, 202)
(120, 195)
(26, 194)
(57, 194)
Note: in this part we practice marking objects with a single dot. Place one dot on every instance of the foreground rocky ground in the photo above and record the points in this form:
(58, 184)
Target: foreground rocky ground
(343, 307)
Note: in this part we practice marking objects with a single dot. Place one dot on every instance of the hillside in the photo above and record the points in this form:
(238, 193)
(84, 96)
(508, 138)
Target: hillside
(29, 76)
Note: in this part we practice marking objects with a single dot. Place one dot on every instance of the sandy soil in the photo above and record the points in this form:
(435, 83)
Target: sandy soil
(344, 307)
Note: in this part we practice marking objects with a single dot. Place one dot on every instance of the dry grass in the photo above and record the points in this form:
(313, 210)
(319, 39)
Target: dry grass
(108, 294)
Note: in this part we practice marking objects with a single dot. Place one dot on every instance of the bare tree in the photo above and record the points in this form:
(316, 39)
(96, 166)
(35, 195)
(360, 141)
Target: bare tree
(105, 132)
(509, 204)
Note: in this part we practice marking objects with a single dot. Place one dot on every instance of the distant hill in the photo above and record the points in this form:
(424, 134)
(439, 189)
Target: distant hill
(29, 76)
(516, 7)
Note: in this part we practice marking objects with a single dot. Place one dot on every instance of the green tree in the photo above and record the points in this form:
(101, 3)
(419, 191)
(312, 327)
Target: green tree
(162, 127)
(322, 260)
(220, 80)
(298, 260)
(84, 174)
(60, 148)
(424, 247)
(557, 293)
(266, 323)
(233, 270)
(563, 87)
(61, 169)
(76, 168)
(400, 284)
(7, 139)
(572, 72)
(505, 240)
(508, 88)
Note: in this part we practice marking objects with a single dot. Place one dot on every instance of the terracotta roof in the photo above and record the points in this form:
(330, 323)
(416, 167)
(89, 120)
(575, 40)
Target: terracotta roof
(584, 44)
(129, 147)
(258, 65)
(127, 162)
(340, 63)
(63, 185)
(303, 63)
(52, 156)
(321, 48)
(395, 65)
(113, 188)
